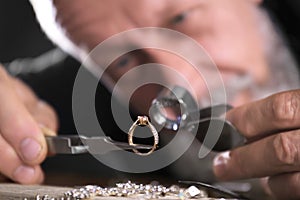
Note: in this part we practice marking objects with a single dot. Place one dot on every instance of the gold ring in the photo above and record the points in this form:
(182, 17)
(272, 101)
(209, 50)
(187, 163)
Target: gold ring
(143, 121)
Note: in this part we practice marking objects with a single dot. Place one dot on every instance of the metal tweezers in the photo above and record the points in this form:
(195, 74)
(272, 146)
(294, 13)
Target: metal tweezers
(216, 190)
(75, 144)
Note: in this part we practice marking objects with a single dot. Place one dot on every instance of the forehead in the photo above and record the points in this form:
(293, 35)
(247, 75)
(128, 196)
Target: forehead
(154, 12)
(150, 12)
(139, 12)
(92, 21)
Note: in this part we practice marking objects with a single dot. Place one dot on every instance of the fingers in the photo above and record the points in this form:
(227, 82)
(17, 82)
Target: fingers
(15, 169)
(285, 186)
(272, 123)
(275, 113)
(269, 156)
(45, 115)
(18, 127)
(23, 146)
(40, 110)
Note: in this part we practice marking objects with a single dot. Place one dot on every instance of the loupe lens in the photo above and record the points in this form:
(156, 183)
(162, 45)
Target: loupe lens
(169, 110)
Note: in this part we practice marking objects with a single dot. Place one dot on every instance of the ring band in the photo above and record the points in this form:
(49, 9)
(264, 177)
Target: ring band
(143, 121)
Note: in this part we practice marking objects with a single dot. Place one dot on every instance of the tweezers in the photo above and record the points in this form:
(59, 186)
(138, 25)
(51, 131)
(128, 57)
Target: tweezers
(216, 190)
(75, 144)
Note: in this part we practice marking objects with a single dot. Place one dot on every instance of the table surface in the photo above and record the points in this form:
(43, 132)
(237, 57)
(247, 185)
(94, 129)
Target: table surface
(30, 192)
(62, 174)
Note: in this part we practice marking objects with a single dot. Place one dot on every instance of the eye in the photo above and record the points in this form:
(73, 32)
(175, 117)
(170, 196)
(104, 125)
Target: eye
(123, 61)
(179, 18)
(126, 62)
(122, 65)
(189, 21)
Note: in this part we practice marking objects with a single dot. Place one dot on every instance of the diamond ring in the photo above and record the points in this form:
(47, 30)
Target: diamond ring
(143, 121)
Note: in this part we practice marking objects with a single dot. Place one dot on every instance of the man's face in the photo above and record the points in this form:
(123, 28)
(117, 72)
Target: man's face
(228, 30)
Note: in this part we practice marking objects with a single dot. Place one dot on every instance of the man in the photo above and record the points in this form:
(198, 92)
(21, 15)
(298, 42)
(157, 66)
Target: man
(236, 35)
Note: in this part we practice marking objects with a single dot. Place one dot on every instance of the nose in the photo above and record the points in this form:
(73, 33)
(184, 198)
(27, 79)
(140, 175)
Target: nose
(181, 72)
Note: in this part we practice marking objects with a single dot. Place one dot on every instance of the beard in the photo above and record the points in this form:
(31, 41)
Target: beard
(283, 67)
(284, 72)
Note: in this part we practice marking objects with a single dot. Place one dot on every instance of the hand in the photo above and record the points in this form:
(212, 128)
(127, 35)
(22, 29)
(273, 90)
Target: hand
(22, 144)
(272, 128)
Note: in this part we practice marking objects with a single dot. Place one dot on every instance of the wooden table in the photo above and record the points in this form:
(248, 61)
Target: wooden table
(65, 172)
(25, 192)
(12, 191)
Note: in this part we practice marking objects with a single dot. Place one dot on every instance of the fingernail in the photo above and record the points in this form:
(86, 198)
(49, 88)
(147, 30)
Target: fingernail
(30, 149)
(24, 174)
(265, 185)
(220, 164)
(47, 131)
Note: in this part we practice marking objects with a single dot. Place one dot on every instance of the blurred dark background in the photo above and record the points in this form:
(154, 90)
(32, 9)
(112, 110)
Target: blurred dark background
(20, 34)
